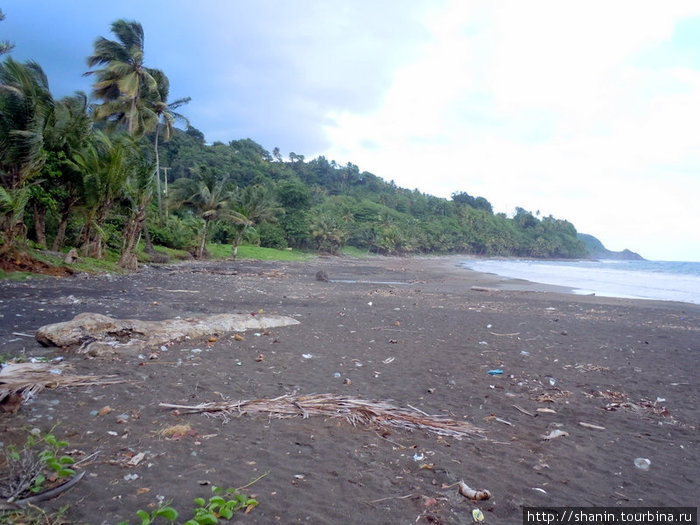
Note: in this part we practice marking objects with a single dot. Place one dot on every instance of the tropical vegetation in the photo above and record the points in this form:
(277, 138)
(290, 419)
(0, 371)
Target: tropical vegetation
(109, 172)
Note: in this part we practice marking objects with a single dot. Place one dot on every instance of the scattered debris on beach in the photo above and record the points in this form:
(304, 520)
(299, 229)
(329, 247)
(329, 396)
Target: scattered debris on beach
(355, 411)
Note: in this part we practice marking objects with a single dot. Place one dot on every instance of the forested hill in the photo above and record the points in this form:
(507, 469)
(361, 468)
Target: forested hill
(104, 172)
(323, 205)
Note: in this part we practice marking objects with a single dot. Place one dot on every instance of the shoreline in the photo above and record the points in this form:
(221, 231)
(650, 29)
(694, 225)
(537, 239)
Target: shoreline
(626, 366)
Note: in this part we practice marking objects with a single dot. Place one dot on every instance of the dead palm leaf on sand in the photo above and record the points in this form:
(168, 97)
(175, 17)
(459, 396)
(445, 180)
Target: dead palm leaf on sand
(28, 379)
(355, 411)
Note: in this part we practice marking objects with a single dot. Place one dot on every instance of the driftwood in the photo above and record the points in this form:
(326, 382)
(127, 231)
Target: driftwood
(97, 334)
(42, 496)
(28, 379)
(355, 411)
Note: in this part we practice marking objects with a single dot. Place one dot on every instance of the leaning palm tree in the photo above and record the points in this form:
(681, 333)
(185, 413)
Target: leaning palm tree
(25, 108)
(123, 81)
(167, 116)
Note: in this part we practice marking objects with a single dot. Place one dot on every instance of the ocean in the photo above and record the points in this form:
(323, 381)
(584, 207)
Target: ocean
(660, 280)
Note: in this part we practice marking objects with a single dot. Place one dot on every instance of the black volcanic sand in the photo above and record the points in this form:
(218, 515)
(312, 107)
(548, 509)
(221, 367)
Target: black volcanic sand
(628, 366)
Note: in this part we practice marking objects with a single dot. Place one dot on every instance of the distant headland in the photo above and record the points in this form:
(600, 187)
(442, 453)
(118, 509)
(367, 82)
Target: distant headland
(596, 250)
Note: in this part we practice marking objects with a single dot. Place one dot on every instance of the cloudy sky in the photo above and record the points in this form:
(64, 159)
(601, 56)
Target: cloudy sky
(589, 111)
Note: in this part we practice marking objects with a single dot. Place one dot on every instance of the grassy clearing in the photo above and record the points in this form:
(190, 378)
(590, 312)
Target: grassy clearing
(358, 253)
(248, 251)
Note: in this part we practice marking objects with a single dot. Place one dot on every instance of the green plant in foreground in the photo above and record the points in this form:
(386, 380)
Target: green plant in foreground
(164, 511)
(28, 469)
(208, 512)
(222, 505)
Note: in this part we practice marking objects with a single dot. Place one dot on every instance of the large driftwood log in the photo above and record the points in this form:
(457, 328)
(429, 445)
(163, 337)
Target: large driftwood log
(98, 334)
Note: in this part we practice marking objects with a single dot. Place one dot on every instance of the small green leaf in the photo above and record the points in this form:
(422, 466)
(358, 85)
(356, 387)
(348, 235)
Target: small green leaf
(65, 472)
(50, 439)
(226, 512)
(168, 513)
(61, 444)
(200, 502)
(66, 460)
(217, 500)
(207, 519)
(217, 490)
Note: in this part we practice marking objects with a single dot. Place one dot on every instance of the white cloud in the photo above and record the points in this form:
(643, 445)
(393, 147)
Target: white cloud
(546, 105)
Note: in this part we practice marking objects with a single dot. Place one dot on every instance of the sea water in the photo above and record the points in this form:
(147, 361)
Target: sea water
(660, 280)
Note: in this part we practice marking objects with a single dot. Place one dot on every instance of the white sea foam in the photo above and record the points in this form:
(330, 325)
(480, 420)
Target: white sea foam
(661, 280)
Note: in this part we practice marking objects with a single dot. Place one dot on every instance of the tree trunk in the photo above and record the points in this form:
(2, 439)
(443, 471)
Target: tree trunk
(202, 246)
(132, 231)
(160, 201)
(66, 210)
(147, 237)
(40, 224)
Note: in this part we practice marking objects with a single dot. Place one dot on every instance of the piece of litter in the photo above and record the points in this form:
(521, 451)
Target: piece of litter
(642, 463)
(306, 356)
(555, 434)
(590, 425)
(660, 399)
(495, 372)
(418, 457)
(524, 352)
(546, 411)
(388, 360)
(131, 477)
(539, 490)
(477, 515)
(136, 459)
(112, 433)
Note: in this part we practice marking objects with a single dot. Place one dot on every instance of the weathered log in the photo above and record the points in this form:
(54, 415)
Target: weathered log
(98, 334)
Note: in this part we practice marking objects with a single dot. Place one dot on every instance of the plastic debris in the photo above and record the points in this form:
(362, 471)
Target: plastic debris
(306, 356)
(477, 515)
(555, 434)
(642, 463)
(495, 372)
(131, 477)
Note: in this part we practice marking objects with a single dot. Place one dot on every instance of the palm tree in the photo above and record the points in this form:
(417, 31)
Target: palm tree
(13, 202)
(207, 197)
(5, 46)
(138, 192)
(105, 167)
(25, 107)
(249, 206)
(167, 116)
(124, 80)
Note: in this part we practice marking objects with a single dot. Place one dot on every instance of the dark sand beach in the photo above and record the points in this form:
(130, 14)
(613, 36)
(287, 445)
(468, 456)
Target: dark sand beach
(420, 333)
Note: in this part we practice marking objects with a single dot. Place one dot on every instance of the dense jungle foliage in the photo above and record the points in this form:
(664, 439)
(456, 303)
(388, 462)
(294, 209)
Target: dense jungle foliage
(104, 172)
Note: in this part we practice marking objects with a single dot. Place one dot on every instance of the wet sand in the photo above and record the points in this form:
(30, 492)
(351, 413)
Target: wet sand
(418, 332)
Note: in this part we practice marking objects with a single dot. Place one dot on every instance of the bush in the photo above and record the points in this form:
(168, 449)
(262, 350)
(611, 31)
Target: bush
(272, 236)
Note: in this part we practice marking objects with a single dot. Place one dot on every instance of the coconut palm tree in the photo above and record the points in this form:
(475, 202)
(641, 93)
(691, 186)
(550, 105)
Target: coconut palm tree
(167, 116)
(124, 80)
(138, 192)
(248, 207)
(25, 107)
(105, 167)
(207, 197)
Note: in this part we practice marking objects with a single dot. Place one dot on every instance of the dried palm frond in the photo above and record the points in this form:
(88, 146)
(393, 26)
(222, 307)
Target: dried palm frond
(29, 379)
(355, 411)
